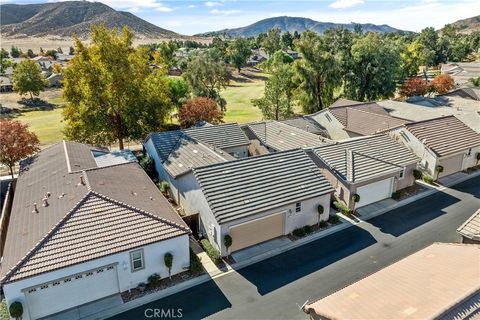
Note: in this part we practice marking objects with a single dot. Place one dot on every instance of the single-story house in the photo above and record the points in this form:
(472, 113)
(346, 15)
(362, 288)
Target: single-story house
(278, 136)
(80, 231)
(346, 119)
(438, 282)
(55, 80)
(307, 124)
(175, 154)
(470, 230)
(461, 72)
(467, 93)
(373, 167)
(444, 141)
(260, 198)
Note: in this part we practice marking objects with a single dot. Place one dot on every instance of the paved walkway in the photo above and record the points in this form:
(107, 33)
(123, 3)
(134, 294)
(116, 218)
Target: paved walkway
(207, 263)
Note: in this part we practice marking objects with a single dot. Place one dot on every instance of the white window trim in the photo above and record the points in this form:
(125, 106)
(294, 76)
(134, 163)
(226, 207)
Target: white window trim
(142, 259)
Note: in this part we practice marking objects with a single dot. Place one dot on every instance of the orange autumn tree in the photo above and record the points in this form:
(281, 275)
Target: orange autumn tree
(415, 86)
(443, 83)
(199, 109)
(16, 143)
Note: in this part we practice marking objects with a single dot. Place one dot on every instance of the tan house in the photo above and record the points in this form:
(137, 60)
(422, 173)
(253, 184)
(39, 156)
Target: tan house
(373, 167)
(438, 282)
(470, 230)
(445, 143)
(346, 119)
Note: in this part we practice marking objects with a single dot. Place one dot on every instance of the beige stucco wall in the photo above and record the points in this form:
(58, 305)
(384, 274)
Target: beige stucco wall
(334, 128)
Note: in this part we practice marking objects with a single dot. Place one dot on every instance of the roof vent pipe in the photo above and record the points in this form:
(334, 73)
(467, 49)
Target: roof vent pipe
(45, 202)
(82, 180)
(35, 209)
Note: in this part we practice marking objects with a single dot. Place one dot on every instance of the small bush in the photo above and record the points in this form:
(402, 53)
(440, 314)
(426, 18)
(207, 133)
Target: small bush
(148, 164)
(324, 224)
(308, 229)
(396, 195)
(4, 310)
(428, 179)
(16, 310)
(333, 219)
(320, 209)
(154, 280)
(342, 208)
(164, 186)
(195, 263)
(213, 253)
(417, 174)
(299, 233)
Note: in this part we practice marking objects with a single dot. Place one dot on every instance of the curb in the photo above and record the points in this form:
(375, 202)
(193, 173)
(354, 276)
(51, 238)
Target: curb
(242, 264)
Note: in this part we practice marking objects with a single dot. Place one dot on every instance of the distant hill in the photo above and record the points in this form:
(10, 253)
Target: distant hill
(468, 25)
(293, 24)
(62, 19)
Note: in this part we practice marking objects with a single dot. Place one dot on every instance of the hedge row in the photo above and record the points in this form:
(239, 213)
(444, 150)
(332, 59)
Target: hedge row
(213, 253)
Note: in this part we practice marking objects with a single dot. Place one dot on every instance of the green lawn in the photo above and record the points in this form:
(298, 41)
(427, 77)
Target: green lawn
(47, 125)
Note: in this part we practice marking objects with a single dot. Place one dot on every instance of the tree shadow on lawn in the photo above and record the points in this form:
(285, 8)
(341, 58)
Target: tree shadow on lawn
(413, 215)
(195, 303)
(278, 271)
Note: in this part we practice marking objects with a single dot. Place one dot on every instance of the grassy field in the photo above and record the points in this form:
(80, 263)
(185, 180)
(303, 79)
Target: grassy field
(47, 125)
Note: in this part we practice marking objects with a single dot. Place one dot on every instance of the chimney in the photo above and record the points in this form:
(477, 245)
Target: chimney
(35, 209)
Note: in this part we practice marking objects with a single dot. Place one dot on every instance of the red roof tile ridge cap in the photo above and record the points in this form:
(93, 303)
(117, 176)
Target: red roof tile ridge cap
(150, 215)
(42, 241)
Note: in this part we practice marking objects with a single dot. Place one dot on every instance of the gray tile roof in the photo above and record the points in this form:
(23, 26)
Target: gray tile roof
(245, 187)
(48, 172)
(361, 159)
(307, 124)
(186, 153)
(281, 137)
(471, 228)
(340, 112)
(445, 136)
(368, 123)
(221, 136)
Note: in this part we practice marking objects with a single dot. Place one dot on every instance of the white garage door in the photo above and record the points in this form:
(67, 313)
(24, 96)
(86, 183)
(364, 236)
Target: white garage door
(66, 293)
(374, 192)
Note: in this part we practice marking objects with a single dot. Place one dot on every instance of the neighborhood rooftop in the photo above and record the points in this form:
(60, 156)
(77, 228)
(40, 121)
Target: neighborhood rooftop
(426, 285)
(364, 158)
(61, 218)
(179, 152)
(307, 124)
(245, 187)
(282, 137)
(445, 135)
(471, 228)
(221, 136)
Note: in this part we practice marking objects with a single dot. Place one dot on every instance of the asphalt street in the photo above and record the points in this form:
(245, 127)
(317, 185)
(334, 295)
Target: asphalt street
(274, 288)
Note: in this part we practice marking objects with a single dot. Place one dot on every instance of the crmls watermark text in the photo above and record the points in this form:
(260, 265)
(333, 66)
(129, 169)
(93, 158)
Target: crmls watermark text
(163, 313)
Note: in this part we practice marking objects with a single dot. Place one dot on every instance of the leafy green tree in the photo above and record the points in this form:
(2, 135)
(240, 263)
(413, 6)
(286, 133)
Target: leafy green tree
(428, 39)
(15, 52)
(179, 91)
(51, 53)
(279, 56)
(207, 75)
(30, 53)
(16, 310)
(239, 51)
(228, 241)
(219, 47)
(167, 52)
(287, 40)
(71, 51)
(272, 41)
(4, 62)
(168, 259)
(28, 78)
(110, 91)
(276, 102)
(317, 73)
(413, 56)
(375, 69)
(4, 53)
(59, 50)
(340, 43)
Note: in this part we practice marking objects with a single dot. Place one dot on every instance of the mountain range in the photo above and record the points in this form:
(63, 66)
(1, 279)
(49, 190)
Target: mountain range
(468, 25)
(293, 24)
(62, 19)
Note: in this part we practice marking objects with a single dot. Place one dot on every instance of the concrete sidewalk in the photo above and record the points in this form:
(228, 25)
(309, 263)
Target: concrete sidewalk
(247, 261)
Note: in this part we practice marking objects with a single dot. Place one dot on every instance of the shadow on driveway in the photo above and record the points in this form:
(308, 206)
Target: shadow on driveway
(195, 303)
(273, 273)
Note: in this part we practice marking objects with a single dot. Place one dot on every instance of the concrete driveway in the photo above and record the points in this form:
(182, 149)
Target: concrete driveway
(274, 288)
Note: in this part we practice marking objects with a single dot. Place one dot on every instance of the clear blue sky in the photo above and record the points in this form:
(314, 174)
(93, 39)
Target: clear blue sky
(190, 17)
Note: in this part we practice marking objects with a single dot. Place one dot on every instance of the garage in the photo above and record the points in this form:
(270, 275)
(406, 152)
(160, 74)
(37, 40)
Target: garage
(451, 165)
(374, 192)
(256, 231)
(60, 295)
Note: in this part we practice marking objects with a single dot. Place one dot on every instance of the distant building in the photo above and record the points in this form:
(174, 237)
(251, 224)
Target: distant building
(470, 230)
(461, 72)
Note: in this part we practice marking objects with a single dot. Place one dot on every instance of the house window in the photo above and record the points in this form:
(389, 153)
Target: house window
(469, 152)
(136, 258)
(298, 207)
(402, 174)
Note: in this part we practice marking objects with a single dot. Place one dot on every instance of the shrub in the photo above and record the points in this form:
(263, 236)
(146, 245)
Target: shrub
(154, 280)
(428, 179)
(443, 83)
(415, 86)
(4, 310)
(300, 232)
(396, 195)
(324, 224)
(308, 229)
(168, 259)
(16, 310)
(213, 253)
(227, 241)
(333, 219)
(148, 164)
(356, 198)
(195, 263)
(342, 208)
(164, 186)
(417, 174)
(320, 209)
